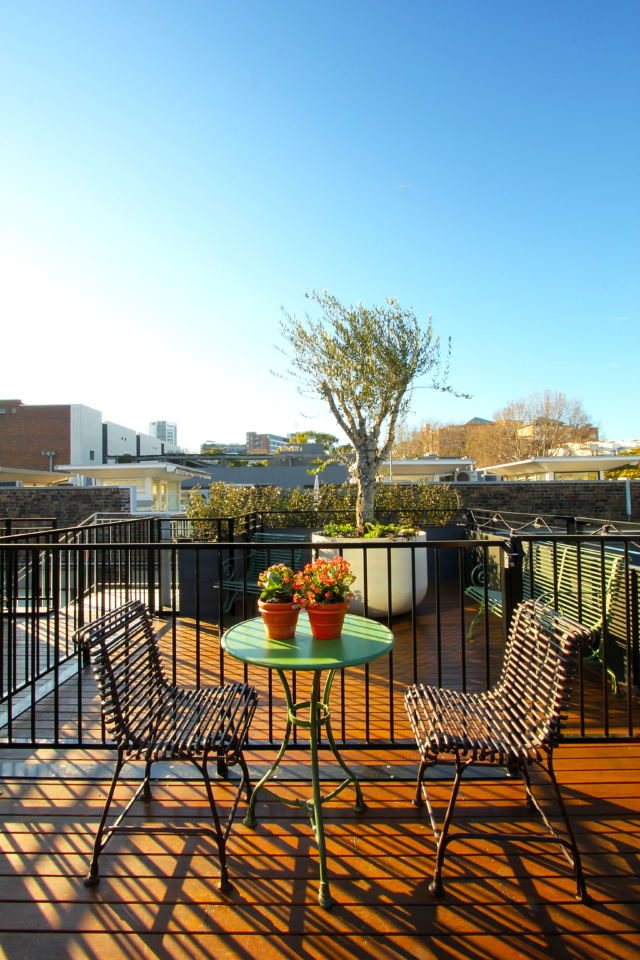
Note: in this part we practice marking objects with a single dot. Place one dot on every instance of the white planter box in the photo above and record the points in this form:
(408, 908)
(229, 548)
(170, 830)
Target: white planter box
(377, 582)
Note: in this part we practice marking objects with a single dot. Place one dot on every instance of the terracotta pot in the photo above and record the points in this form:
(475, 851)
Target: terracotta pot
(280, 619)
(327, 619)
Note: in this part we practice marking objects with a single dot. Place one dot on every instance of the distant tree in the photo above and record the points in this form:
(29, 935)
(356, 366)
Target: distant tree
(363, 362)
(542, 424)
(314, 436)
(633, 473)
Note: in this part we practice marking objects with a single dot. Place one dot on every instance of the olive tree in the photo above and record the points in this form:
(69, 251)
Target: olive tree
(363, 362)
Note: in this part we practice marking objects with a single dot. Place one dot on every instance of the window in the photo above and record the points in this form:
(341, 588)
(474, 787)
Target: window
(2, 410)
(14, 409)
(92, 454)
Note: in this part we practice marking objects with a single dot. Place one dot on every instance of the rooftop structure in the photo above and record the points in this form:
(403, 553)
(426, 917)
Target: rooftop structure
(16, 476)
(560, 468)
(155, 485)
(430, 468)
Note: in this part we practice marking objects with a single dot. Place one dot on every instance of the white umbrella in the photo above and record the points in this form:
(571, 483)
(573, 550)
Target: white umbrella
(316, 488)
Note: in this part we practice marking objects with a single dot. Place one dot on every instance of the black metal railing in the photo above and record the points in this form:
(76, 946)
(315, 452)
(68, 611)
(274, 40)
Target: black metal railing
(507, 522)
(16, 525)
(196, 590)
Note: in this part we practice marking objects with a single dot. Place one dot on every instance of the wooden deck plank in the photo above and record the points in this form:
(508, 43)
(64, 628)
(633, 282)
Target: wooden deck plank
(158, 897)
(203, 946)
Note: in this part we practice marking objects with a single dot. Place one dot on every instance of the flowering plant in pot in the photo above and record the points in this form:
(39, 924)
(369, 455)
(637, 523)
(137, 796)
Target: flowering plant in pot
(323, 589)
(277, 604)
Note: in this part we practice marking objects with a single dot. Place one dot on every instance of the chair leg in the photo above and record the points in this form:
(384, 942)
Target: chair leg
(436, 887)
(581, 886)
(93, 877)
(245, 776)
(474, 621)
(418, 800)
(527, 785)
(146, 793)
(225, 885)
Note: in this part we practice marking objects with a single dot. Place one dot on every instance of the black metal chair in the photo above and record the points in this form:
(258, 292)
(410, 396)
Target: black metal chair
(151, 719)
(517, 723)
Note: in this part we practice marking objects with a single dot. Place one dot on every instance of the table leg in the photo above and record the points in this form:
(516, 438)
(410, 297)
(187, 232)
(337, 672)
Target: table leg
(324, 895)
(250, 818)
(360, 805)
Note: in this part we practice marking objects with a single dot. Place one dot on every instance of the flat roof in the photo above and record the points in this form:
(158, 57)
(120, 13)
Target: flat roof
(128, 472)
(429, 466)
(585, 464)
(10, 474)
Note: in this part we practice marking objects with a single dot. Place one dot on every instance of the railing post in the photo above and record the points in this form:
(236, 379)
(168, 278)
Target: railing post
(510, 581)
(80, 587)
(165, 565)
(572, 526)
(635, 626)
(151, 581)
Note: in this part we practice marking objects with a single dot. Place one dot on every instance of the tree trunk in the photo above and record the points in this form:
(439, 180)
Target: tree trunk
(366, 478)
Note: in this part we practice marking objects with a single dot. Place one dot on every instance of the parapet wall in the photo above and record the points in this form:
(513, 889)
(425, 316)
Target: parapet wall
(70, 505)
(604, 499)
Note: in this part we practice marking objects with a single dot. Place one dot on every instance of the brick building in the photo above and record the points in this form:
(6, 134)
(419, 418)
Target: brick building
(264, 442)
(72, 432)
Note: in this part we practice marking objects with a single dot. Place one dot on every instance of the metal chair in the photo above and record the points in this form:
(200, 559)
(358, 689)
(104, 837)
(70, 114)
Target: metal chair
(151, 719)
(515, 724)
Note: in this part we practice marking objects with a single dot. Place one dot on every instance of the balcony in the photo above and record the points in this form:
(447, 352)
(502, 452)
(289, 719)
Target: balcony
(158, 896)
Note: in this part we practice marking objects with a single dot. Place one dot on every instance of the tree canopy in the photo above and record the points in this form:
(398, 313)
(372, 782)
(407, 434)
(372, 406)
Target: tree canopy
(541, 424)
(363, 362)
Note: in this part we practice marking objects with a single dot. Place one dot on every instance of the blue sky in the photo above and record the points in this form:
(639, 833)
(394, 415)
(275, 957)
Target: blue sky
(171, 174)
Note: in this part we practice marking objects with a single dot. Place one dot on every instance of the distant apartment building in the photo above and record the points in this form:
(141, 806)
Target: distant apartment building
(43, 436)
(543, 427)
(165, 430)
(264, 442)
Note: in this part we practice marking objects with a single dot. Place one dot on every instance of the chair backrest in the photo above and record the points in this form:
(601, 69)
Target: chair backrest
(128, 669)
(540, 663)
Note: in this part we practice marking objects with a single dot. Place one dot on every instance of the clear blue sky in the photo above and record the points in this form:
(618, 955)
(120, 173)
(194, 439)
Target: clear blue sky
(171, 173)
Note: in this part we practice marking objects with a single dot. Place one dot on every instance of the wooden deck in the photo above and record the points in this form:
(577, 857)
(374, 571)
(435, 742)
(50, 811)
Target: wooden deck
(505, 898)
(158, 895)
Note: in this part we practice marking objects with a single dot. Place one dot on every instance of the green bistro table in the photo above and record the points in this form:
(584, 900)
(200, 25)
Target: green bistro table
(361, 642)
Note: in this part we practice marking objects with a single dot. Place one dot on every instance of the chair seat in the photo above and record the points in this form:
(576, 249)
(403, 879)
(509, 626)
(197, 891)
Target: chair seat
(187, 721)
(487, 727)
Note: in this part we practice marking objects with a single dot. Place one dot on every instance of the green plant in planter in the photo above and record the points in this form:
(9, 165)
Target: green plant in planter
(277, 584)
(373, 531)
(340, 530)
(377, 530)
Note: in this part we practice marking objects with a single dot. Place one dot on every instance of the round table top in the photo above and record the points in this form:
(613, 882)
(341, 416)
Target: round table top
(361, 642)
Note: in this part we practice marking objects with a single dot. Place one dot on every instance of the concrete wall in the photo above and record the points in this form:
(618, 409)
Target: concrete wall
(120, 439)
(70, 505)
(603, 499)
(85, 429)
(151, 445)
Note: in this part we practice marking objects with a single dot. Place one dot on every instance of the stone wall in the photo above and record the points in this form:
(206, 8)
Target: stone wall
(601, 500)
(69, 505)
